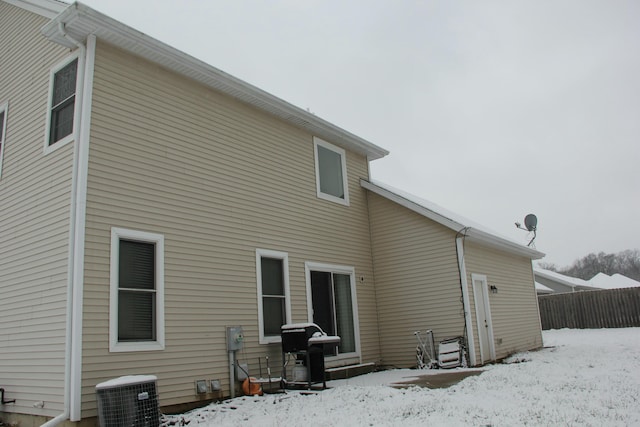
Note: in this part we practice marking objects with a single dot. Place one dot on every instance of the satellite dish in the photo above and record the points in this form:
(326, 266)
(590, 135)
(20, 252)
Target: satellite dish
(531, 222)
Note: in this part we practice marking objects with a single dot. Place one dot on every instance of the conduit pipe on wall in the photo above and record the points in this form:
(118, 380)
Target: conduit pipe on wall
(75, 270)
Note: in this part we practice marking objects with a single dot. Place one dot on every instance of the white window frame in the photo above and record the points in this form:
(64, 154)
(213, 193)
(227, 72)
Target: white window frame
(141, 236)
(4, 108)
(76, 107)
(265, 253)
(345, 181)
(340, 269)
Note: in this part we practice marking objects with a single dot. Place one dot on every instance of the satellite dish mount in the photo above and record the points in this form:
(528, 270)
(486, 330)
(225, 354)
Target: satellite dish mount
(530, 225)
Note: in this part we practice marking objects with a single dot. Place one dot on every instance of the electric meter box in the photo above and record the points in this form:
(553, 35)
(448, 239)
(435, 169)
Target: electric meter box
(235, 338)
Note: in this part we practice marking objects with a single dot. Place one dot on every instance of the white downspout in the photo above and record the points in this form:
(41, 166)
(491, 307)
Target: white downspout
(75, 271)
(80, 218)
(465, 300)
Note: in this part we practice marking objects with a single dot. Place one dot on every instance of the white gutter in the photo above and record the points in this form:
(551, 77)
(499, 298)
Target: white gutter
(465, 300)
(448, 219)
(47, 8)
(75, 271)
(81, 20)
(81, 214)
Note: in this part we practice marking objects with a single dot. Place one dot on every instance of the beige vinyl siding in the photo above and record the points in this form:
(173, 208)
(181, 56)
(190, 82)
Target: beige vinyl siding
(514, 309)
(34, 223)
(219, 180)
(417, 280)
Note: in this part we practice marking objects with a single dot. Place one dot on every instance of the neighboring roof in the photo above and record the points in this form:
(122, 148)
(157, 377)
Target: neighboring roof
(599, 281)
(79, 21)
(457, 223)
(573, 282)
(615, 281)
(542, 289)
(47, 8)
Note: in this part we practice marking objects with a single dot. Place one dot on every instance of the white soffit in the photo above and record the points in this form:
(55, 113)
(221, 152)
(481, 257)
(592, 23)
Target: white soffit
(79, 21)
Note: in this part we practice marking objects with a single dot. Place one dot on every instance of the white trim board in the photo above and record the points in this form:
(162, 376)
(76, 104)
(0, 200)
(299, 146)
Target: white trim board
(80, 20)
(437, 214)
(340, 269)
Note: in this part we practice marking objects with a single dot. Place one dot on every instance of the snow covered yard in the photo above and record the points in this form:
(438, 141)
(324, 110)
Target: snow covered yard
(582, 377)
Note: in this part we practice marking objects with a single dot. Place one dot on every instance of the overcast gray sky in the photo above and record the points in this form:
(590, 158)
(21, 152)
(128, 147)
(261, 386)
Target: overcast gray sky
(491, 109)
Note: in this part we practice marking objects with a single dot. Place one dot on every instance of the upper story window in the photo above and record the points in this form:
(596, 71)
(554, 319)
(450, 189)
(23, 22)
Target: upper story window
(274, 306)
(137, 291)
(331, 172)
(62, 103)
(3, 131)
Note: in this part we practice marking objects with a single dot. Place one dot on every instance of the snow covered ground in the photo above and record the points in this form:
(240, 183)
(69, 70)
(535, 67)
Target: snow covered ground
(581, 377)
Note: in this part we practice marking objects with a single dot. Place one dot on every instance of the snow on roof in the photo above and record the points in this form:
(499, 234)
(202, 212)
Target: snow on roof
(599, 281)
(561, 278)
(449, 219)
(615, 281)
(542, 288)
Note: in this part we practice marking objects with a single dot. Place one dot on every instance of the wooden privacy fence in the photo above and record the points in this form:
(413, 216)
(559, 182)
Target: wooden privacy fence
(615, 308)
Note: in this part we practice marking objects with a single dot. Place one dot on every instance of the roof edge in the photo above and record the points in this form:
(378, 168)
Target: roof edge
(81, 20)
(543, 273)
(428, 213)
(472, 233)
(46, 8)
(497, 242)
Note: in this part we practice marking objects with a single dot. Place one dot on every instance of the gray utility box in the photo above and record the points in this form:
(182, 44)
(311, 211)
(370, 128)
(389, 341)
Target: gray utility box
(235, 338)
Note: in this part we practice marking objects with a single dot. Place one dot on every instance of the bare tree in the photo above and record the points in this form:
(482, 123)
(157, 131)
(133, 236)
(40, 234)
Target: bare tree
(626, 263)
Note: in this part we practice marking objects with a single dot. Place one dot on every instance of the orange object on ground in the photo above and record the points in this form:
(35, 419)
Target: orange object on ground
(251, 387)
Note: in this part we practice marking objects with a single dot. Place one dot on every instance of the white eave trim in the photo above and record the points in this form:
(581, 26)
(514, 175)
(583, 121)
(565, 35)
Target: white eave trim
(428, 213)
(47, 8)
(491, 240)
(471, 233)
(80, 21)
(565, 282)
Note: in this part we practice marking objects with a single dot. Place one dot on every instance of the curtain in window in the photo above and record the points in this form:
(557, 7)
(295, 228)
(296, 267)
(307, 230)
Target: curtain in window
(330, 172)
(344, 313)
(136, 294)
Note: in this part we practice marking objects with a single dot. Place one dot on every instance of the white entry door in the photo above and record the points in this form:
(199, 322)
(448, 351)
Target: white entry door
(483, 318)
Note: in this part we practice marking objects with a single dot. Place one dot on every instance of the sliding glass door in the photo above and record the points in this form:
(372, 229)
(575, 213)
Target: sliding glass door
(333, 308)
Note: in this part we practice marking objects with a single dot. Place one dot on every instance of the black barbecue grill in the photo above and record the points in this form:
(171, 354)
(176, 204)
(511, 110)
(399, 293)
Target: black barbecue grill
(307, 341)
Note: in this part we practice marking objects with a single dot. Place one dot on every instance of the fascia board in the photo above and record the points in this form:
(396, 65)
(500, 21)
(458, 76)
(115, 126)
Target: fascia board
(487, 239)
(79, 21)
(471, 233)
(428, 213)
(556, 278)
(46, 8)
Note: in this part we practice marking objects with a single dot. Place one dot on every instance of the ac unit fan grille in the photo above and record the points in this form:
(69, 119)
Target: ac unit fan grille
(130, 405)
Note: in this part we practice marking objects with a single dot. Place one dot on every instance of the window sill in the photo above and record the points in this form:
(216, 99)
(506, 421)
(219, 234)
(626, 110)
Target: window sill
(48, 149)
(121, 347)
(333, 199)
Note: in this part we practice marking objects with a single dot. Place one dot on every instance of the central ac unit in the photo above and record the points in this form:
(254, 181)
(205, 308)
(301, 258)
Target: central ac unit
(130, 401)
